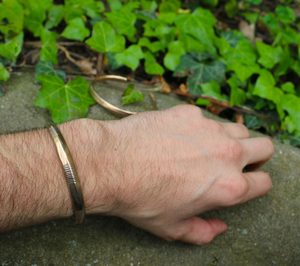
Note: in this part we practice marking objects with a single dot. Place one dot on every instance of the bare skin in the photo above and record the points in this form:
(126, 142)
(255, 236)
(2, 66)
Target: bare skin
(157, 170)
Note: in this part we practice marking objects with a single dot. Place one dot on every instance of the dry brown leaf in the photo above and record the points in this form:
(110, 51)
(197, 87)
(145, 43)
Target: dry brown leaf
(182, 90)
(248, 30)
(215, 109)
(239, 118)
(165, 87)
(86, 66)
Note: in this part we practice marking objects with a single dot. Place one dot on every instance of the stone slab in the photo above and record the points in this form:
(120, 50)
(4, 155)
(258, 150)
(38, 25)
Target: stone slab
(265, 231)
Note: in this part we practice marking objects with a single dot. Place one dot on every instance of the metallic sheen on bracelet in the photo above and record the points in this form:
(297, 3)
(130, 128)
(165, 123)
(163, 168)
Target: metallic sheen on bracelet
(70, 174)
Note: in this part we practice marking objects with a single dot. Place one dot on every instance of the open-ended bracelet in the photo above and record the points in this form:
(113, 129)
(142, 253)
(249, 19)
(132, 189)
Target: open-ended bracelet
(70, 173)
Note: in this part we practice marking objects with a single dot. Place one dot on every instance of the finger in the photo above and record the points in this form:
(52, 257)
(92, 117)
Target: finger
(257, 150)
(236, 130)
(259, 183)
(199, 231)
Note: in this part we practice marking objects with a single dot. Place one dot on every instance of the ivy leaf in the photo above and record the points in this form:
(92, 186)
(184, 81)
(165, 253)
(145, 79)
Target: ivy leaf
(49, 46)
(243, 52)
(288, 36)
(200, 26)
(212, 3)
(152, 67)
(169, 6)
(115, 4)
(172, 58)
(130, 57)
(291, 104)
(152, 46)
(200, 71)
(157, 29)
(288, 87)
(237, 95)
(272, 23)
(204, 73)
(4, 74)
(203, 102)
(265, 87)
(285, 14)
(191, 44)
(285, 63)
(189, 61)
(45, 68)
(35, 15)
(11, 17)
(123, 20)
(93, 8)
(168, 17)
(55, 16)
(255, 2)
(12, 47)
(81, 8)
(65, 101)
(132, 95)
(241, 59)
(213, 89)
(149, 5)
(253, 122)
(105, 39)
(76, 30)
(269, 56)
(231, 8)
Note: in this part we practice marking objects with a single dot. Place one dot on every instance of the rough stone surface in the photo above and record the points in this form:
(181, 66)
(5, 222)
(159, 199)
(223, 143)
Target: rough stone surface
(265, 231)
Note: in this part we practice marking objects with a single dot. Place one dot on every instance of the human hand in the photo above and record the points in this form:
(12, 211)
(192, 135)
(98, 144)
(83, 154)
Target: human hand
(164, 168)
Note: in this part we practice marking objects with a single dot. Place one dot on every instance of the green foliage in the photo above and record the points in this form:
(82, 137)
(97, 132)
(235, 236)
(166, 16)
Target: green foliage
(212, 89)
(182, 39)
(35, 14)
(130, 57)
(76, 30)
(173, 57)
(200, 69)
(132, 95)
(269, 55)
(123, 20)
(47, 68)
(4, 74)
(49, 49)
(12, 13)
(105, 39)
(65, 101)
(11, 48)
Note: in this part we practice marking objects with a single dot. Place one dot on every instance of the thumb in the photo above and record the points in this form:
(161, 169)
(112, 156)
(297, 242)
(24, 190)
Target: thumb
(198, 231)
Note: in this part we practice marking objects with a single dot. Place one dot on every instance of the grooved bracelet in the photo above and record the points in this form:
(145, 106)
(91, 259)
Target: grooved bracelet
(70, 173)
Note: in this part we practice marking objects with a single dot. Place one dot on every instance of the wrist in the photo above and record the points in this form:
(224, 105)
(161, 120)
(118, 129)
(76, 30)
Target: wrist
(87, 140)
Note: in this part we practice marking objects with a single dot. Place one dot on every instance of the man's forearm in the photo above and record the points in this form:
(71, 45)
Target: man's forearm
(32, 183)
(157, 170)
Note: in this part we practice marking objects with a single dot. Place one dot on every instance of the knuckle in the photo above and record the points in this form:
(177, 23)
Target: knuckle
(232, 150)
(191, 109)
(236, 189)
(185, 110)
(243, 188)
(174, 236)
(206, 239)
(214, 126)
(245, 130)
